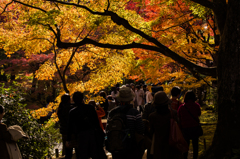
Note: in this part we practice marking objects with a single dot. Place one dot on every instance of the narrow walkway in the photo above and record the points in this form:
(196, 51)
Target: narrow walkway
(109, 155)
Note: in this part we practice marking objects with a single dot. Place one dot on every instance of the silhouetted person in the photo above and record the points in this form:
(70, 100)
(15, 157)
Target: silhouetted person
(188, 114)
(159, 122)
(148, 109)
(99, 110)
(83, 121)
(63, 116)
(132, 123)
(5, 136)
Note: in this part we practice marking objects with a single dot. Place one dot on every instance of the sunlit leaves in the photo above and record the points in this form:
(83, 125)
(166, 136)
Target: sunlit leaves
(46, 71)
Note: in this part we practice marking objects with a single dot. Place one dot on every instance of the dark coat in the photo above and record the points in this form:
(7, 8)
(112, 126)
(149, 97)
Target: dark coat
(148, 109)
(63, 116)
(160, 126)
(5, 136)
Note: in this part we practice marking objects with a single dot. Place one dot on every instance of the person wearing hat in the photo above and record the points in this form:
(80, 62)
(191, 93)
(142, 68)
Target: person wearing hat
(134, 123)
(8, 139)
(159, 124)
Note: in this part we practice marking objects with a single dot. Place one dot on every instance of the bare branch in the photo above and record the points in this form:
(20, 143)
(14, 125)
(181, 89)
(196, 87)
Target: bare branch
(59, 72)
(57, 6)
(69, 61)
(108, 5)
(175, 25)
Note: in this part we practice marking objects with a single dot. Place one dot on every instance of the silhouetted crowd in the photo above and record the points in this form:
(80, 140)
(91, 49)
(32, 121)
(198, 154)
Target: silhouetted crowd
(138, 119)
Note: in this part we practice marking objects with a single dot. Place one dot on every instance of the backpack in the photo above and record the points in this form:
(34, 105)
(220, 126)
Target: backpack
(118, 134)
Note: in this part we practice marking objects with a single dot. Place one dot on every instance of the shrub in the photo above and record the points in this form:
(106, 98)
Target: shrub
(41, 140)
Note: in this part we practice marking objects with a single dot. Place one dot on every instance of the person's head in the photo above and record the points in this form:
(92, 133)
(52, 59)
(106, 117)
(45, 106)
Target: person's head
(125, 95)
(123, 86)
(77, 97)
(114, 89)
(155, 89)
(65, 99)
(161, 101)
(175, 91)
(1, 112)
(109, 97)
(117, 85)
(103, 94)
(138, 87)
(145, 87)
(190, 96)
(127, 85)
(132, 86)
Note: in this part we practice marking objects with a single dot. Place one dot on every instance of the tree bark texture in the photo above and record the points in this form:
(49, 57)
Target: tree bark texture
(227, 135)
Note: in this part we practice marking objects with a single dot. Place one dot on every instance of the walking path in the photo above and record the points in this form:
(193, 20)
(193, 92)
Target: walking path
(109, 155)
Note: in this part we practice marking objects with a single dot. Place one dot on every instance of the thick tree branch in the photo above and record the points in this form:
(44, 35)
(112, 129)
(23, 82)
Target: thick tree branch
(59, 72)
(167, 52)
(121, 21)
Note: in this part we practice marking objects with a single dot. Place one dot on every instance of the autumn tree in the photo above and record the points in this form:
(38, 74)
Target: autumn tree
(186, 30)
(60, 22)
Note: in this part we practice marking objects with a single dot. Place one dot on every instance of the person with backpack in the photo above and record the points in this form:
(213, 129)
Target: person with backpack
(188, 114)
(84, 123)
(124, 124)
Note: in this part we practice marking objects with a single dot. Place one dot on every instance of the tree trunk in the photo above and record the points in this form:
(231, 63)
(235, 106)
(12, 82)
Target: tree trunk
(227, 135)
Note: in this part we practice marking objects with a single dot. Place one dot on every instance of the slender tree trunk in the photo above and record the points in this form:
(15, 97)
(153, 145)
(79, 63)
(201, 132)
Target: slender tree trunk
(34, 84)
(199, 95)
(227, 135)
